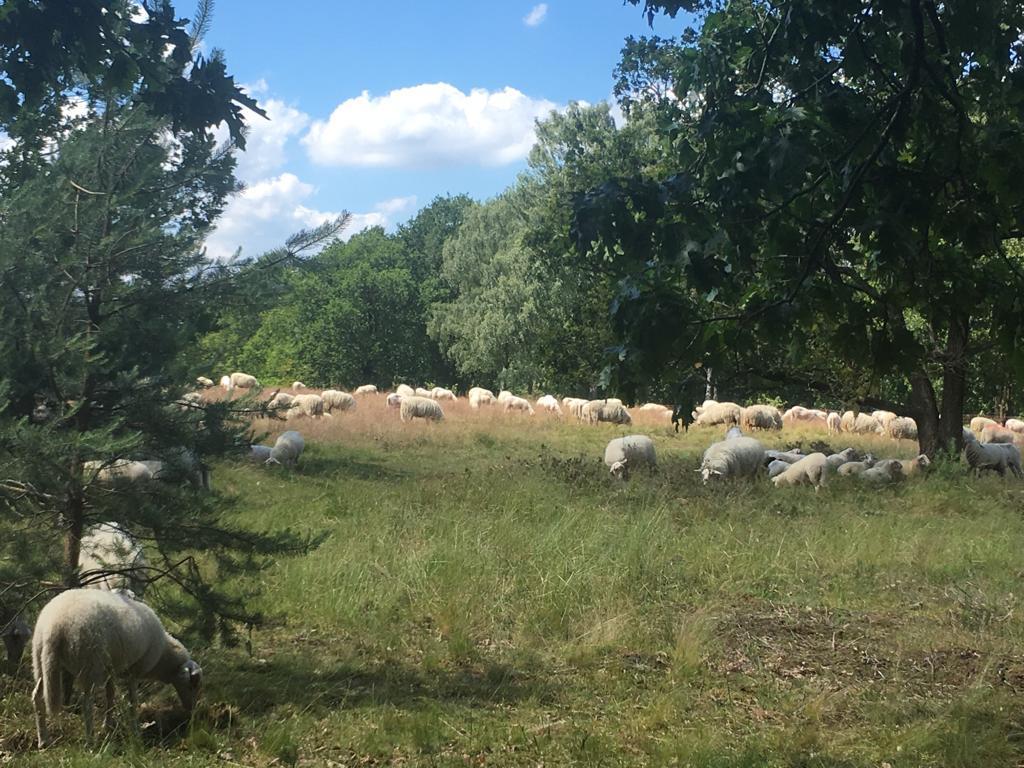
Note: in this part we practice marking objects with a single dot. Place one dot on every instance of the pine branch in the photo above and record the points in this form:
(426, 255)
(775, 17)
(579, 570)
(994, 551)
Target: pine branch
(201, 23)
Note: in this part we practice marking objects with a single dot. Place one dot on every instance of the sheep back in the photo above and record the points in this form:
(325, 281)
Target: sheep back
(420, 408)
(738, 457)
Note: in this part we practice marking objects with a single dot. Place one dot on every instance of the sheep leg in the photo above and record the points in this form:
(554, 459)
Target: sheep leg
(108, 715)
(39, 704)
(88, 692)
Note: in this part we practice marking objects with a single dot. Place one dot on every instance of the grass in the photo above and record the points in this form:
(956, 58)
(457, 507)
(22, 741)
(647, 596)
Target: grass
(488, 596)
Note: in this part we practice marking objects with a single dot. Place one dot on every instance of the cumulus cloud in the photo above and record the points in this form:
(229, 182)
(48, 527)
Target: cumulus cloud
(265, 214)
(536, 15)
(428, 126)
(265, 143)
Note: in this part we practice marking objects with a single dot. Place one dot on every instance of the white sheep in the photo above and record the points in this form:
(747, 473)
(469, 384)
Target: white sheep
(440, 393)
(915, 466)
(422, 392)
(718, 413)
(883, 417)
(306, 405)
(806, 417)
(478, 397)
(225, 383)
(298, 385)
(280, 402)
(366, 389)
(204, 382)
(394, 400)
(405, 390)
(732, 459)
(813, 469)
(336, 400)
(287, 448)
(883, 473)
(900, 428)
(776, 467)
(118, 471)
(855, 467)
(834, 423)
(259, 453)
(111, 558)
(520, 404)
(995, 456)
(596, 411)
(702, 407)
(624, 454)
(420, 408)
(574, 405)
(836, 460)
(859, 423)
(760, 417)
(993, 433)
(16, 635)
(94, 636)
(1015, 425)
(549, 404)
(978, 423)
(504, 395)
(243, 381)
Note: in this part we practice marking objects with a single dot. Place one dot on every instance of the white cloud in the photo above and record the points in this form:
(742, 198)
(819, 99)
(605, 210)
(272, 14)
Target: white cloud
(428, 126)
(536, 16)
(265, 214)
(6, 142)
(266, 140)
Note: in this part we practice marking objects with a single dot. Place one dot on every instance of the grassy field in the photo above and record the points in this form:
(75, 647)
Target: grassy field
(489, 596)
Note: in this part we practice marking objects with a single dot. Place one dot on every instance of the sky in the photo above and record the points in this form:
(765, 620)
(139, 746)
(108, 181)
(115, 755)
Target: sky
(377, 108)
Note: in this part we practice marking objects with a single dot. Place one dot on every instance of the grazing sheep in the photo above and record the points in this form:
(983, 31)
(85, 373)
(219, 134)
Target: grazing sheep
(760, 417)
(336, 400)
(915, 466)
(574, 405)
(883, 473)
(733, 432)
(718, 413)
(504, 395)
(1015, 425)
(858, 423)
(883, 417)
(807, 417)
(422, 392)
(623, 454)
(420, 408)
(520, 404)
(728, 459)
(995, 456)
(900, 428)
(394, 400)
(813, 469)
(993, 433)
(478, 396)
(703, 407)
(405, 390)
(366, 389)
(596, 411)
(110, 558)
(204, 382)
(259, 453)
(834, 422)
(306, 405)
(298, 385)
(777, 467)
(93, 636)
(655, 407)
(280, 402)
(440, 393)
(16, 635)
(244, 381)
(287, 448)
(978, 423)
(549, 404)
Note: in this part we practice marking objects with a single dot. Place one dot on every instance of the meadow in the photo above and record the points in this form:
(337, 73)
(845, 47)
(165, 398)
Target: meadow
(488, 595)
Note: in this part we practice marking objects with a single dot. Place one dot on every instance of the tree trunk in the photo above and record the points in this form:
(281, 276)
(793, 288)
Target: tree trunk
(925, 412)
(954, 386)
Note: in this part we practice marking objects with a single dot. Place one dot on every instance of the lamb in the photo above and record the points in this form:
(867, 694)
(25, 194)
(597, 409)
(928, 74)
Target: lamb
(440, 393)
(719, 413)
(900, 428)
(978, 423)
(549, 404)
(623, 454)
(16, 635)
(596, 411)
(993, 433)
(405, 390)
(287, 448)
(420, 408)
(394, 400)
(777, 467)
(366, 389)
(307, 405)
(422, 392)
(813, 469)
(915, 466)
(259, 453)
(93, 636)
(243, 381)
(760, 417)
(298, 385)
(740, 457)
(855, 467)
(336, 400)
(520, 404)
(883, 473)
(478, 396)
(834, 423)
(204, 382)
(859, 423)
(995, 456)
(110, 558)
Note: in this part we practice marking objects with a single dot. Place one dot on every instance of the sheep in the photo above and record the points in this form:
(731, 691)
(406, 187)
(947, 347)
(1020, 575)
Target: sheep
(298, 385)
(179, 464)
(394, 400)
(995, 456)
(110, 558)
(366, 389)
(900, 428)
(855, 467)
(834, 423)
(760, 417)
(1015, 425)
(656, 407)
(306, 405)
(623, 454)
(244, 381)
(969, 437)
(836, 460)
(596, 411)
(883, 473)
(422, 392)
(93, 636)
(702, 407)
(915, 466)
(719, 413)
(225, 383)
(777, 467)
(978, 423)
(204, 382)
(574, 405)
(405, 390)
(118, 471)
(790, 457)
(727, 459)
(800, 416)
(993, 433)
(16, 635)
(420, 408)
(813, 469)
(733, 432)
(478, 396)
(549, 404)
(280, 402)
(287, 448)
(859, 423)
(520, 404)
(189, 401)
(259, 453)
(504, 395)
(440, 393)
(883, 417)
(336, 400)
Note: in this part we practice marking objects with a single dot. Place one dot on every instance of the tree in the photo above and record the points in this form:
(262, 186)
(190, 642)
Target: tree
(838, 171)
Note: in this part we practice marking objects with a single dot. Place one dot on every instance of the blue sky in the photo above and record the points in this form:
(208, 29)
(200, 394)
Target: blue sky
(377, 108)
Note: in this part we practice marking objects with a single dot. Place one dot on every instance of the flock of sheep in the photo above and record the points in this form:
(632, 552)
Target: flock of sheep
(104, 629)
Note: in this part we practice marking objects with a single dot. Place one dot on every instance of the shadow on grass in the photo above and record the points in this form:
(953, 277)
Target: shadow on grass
(346, 467)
